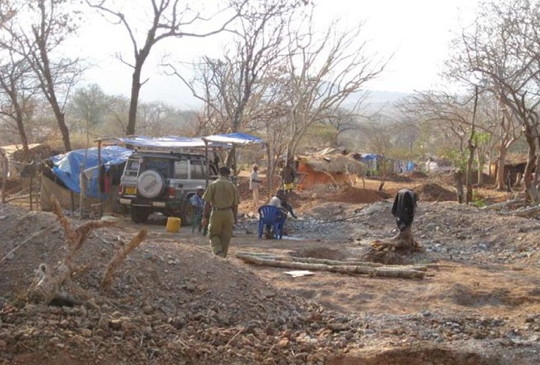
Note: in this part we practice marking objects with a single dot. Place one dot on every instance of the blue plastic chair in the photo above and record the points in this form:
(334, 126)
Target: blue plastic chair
(273, 217)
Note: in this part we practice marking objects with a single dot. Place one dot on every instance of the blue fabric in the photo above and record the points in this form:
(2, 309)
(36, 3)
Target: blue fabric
(68, 166)
(369, 157)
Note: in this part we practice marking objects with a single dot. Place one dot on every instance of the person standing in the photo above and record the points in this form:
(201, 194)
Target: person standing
(220, 211)
(287, 177)
(254, 184)
(197, 204)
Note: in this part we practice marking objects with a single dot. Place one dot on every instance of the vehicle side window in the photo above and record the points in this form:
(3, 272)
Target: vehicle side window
(132, 168)
(197, 170)
(181, 169)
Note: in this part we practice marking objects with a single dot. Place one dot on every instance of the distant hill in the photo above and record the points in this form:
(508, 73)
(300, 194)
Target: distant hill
(380, 99)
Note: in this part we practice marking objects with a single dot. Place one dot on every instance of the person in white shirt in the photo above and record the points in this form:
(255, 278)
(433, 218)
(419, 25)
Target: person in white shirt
(254, 182)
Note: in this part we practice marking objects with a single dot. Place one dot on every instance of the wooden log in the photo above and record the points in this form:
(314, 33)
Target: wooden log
(383, 271)
(119, 257)
(313, 260)
(524, 213)
(506, 204)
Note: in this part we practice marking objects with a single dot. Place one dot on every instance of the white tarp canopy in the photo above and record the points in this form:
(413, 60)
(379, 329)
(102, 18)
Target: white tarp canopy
(217, 140)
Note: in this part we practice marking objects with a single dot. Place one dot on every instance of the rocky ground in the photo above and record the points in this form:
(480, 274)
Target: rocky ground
(173, 302)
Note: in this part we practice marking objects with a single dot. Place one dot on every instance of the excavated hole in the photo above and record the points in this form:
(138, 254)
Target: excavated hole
(417, 356)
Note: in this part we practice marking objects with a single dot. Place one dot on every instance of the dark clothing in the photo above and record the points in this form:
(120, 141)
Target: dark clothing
(288, 208)
(288, 175)
(404, 207)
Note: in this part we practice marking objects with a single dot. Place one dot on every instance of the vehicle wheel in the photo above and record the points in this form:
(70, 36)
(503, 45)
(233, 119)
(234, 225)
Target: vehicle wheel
(150, 184)
(139, 215)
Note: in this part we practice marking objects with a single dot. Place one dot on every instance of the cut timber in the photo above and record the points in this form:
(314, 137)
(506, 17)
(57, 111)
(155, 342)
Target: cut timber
(313, 260)
(119, 257)
(507, 204)
(378, 271)
(525, 212)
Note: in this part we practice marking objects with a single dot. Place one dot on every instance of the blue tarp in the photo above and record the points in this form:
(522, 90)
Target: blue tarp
(68, 166)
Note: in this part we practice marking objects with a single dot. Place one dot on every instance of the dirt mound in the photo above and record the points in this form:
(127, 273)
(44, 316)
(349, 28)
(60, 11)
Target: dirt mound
(418, 175)
(420, 354)
(434, 192)
(170, 302)
(349, 194)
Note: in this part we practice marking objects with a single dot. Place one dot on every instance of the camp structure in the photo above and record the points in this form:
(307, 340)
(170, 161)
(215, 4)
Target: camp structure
(62, 173)
(102, 167)
(330, 166)
(16, 160)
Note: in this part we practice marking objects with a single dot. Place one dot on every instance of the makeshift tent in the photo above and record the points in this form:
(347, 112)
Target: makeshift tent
(233, 138)
(177, 142)
(67, 167)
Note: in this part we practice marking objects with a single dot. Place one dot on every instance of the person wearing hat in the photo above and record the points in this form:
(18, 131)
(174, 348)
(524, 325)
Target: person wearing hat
(220, 211)
(197, 204)
(254, 184)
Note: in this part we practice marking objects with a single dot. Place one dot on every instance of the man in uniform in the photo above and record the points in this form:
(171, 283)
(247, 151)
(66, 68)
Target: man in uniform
(221, 209)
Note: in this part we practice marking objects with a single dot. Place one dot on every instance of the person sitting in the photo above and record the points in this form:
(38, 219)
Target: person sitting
(197, 204)
(280, 201)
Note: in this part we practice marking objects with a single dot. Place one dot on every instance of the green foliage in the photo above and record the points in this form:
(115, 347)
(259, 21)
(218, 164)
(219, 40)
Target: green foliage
(478, 201)
(458, 158)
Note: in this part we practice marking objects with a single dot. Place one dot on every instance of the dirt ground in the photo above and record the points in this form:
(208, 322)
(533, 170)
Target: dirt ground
(173, 302)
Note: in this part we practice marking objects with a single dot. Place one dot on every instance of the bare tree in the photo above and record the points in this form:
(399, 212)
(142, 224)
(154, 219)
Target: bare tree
(501, 49)
(321, 74)
(342, 121)
(446, 116)
(37, 32)
(16, 95)
(168, 19)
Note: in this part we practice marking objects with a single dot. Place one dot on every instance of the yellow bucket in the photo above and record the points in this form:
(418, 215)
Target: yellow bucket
(173, 224)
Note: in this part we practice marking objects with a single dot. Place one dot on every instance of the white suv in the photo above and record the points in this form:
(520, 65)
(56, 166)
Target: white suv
(162, 182)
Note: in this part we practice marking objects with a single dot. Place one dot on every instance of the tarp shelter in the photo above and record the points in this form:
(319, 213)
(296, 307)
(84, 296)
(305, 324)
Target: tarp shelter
(67, 167)
(233, 138)
(177, 142)
(186, 144)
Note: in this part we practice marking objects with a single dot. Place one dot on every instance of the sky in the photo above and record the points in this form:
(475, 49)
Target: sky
(415, 33)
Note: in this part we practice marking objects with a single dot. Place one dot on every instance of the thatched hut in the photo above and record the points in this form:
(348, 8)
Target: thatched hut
(329, 167)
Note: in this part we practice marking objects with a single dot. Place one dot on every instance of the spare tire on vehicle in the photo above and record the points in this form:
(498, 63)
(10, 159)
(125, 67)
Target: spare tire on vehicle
(150, 184)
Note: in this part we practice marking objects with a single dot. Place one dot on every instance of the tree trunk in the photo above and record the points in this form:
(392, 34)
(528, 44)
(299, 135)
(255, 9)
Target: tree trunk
(134, 101)
(22, 133)
(530, 188)
(458, 175)
(500, 181)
